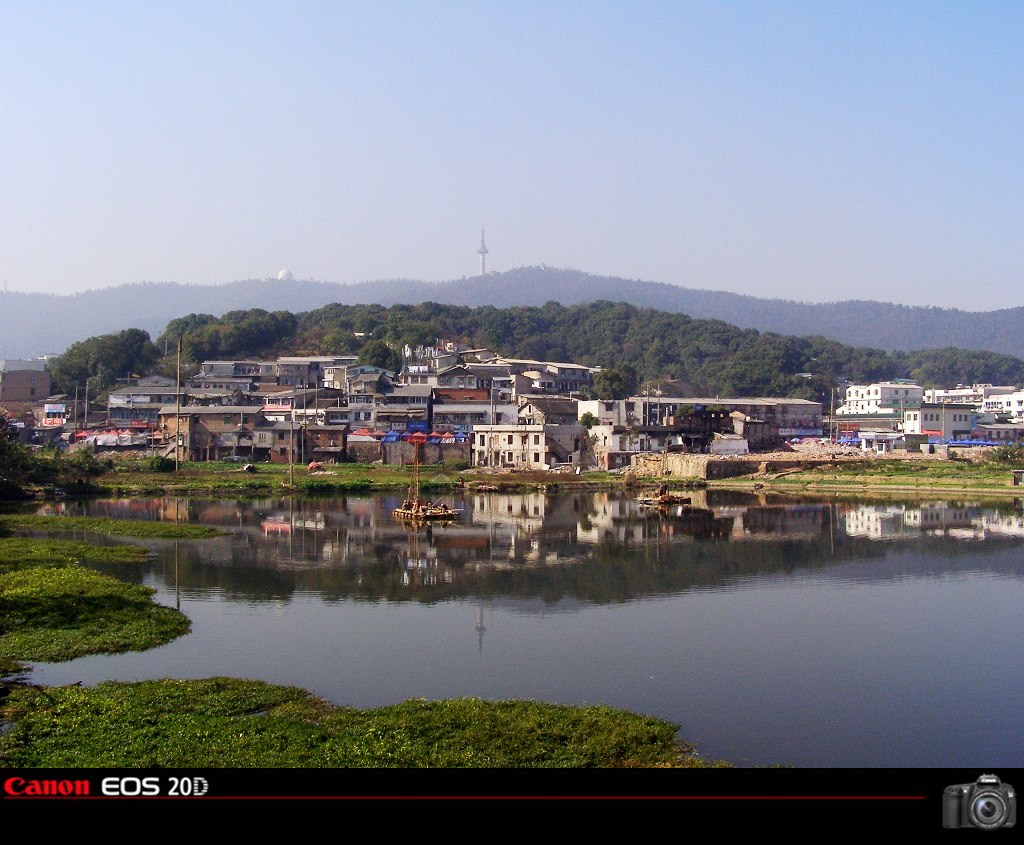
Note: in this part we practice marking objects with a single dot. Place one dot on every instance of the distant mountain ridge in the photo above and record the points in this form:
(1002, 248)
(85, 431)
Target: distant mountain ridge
(33, 324)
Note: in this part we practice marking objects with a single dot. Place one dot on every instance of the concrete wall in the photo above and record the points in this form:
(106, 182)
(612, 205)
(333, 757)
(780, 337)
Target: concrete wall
(363, 452)
(685, 465)
(430, 453)
(711, 467)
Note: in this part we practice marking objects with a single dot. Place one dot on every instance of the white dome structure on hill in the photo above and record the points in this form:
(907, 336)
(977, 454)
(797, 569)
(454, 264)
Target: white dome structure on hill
(285, 276)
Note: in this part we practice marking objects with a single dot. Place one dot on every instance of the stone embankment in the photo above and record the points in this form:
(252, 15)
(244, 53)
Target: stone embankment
(773, 464)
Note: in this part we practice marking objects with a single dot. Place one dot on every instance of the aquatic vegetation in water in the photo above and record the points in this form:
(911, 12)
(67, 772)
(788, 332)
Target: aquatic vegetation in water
(224, 722)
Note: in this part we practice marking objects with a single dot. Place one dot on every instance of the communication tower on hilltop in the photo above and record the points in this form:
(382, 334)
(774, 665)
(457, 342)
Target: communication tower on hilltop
(482, 252)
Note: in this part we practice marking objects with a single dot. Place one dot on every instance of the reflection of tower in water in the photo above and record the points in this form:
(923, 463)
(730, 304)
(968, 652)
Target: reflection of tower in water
(480, 628)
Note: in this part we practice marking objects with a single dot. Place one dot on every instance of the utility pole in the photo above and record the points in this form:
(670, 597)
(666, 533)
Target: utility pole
(291, 443)
(177, 407)
(833, 434)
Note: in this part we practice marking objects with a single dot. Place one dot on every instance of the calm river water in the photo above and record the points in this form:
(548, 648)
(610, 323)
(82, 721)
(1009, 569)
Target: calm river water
(811, 634)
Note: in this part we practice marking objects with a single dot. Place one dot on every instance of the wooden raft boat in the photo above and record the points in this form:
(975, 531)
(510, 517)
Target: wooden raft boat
(415, 508)
(663, 501)
(414, 511)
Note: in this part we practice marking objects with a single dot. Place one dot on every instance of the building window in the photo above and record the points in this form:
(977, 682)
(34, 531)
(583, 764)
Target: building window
(510, 440)
(536, 457)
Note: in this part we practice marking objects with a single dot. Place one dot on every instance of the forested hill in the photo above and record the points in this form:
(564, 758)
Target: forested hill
(32, 324)
(712, 357)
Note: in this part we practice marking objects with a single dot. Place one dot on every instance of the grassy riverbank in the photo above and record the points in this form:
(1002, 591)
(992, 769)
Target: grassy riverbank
(112, 527)
(138, 478)
(892, 475)
(52, 608)
(224, 722)
(905, 473)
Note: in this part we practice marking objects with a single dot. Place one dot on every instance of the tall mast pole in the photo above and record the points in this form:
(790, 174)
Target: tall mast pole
(177, 407)
(482, 252)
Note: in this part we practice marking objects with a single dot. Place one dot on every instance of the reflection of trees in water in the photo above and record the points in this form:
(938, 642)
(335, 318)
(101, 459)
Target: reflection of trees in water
(595, 547)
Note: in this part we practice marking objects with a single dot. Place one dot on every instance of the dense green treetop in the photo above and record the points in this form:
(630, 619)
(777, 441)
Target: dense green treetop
(104, 360)
(714, 357)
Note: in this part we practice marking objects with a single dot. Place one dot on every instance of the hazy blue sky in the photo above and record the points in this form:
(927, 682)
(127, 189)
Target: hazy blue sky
(806, 150)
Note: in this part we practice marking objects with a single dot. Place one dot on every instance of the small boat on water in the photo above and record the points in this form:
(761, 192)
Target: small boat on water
(663, 501)
(415, 508)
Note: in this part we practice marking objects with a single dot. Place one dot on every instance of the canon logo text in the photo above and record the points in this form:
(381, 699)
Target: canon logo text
(21, 786)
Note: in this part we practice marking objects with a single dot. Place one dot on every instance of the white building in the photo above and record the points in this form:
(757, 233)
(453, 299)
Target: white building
(792, 417)
(1009, 405)
(527, 447)
(943, 421)
(974, 395)
(884, 397)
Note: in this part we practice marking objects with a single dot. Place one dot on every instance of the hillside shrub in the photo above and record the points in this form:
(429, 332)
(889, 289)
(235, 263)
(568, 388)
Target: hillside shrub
(1011, 453)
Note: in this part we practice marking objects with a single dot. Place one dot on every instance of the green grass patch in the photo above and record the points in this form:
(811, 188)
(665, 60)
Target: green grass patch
(25, 552)
(222, 722)
(52, 608)
(115, 527)
(53, 614)
(321, 485)
(895, 473)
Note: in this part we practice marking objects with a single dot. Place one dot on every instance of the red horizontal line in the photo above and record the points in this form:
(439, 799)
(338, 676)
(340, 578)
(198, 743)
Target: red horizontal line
(467, 797)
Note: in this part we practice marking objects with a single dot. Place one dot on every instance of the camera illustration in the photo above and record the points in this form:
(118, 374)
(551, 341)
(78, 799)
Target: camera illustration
(988, 804)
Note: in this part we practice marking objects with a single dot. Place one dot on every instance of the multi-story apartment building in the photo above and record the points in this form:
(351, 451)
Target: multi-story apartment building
(1006, 405)
(23, 381)
(786, 417)
(527, 447)
(884, 397)
(943, 421)
(975, 395)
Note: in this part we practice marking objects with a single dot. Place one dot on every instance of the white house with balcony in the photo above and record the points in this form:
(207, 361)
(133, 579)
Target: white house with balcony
(884, 397)
(1007, 405)
(976, 394)
(527, 447)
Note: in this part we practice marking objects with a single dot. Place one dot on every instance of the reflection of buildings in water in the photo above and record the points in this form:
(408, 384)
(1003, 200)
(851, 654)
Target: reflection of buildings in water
(525, 510)
(788, 521)
(889, 521)
(353, 547)
(507, 530)
(1010, 525)
(732, 516)
(532, 527)
(424, 571)
(940, 517)
(615, 518)
(610, 518)
(877, 522)
(276, 526)
(283, 523)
